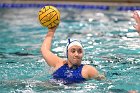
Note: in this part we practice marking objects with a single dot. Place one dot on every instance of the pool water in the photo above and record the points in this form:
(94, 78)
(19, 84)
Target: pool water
(110, 42)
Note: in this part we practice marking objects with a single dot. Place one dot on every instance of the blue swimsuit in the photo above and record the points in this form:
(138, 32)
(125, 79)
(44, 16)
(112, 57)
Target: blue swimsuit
(69, 75)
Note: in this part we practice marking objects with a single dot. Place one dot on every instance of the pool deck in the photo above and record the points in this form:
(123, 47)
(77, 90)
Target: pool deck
(82, 2)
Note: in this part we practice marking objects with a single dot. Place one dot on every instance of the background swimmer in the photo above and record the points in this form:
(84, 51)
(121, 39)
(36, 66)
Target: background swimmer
(136, 16)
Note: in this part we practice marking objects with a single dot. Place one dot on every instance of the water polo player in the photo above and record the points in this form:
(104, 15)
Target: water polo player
(70, 70)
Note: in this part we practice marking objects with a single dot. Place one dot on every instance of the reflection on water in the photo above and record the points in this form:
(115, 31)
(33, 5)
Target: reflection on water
(110, 42)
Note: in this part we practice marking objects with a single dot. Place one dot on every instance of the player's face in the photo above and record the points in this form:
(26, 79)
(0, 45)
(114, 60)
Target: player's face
(75, 55)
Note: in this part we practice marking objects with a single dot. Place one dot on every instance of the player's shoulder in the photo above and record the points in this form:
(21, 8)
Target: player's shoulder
(89, 71)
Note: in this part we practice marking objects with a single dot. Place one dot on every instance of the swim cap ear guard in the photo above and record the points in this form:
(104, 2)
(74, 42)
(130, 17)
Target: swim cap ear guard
(71, 43)
(67, 47)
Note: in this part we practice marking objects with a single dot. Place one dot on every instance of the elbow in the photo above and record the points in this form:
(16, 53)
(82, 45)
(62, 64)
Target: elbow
(43, 50)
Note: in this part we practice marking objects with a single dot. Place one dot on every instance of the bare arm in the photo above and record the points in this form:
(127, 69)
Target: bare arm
(50, 58)
(137, 19)
(90, 72)
(93, 73)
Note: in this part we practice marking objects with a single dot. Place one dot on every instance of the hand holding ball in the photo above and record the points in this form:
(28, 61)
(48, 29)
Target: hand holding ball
(49, 16)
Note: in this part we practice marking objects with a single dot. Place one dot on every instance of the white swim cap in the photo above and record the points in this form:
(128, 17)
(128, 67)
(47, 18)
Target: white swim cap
(72, 43)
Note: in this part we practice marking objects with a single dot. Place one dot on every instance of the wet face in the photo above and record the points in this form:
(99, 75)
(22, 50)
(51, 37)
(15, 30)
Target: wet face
(75, 55)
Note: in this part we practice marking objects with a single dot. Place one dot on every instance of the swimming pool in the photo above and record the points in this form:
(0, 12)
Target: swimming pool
(111, 45)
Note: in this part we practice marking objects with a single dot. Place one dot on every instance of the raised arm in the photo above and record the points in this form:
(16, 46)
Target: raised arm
(137, 19)
(50, 58)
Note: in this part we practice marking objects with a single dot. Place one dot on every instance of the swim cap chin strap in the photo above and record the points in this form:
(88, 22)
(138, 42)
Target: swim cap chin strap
(72, 43)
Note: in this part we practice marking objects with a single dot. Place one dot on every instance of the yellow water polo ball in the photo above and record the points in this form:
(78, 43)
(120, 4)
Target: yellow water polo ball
(49, 16)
